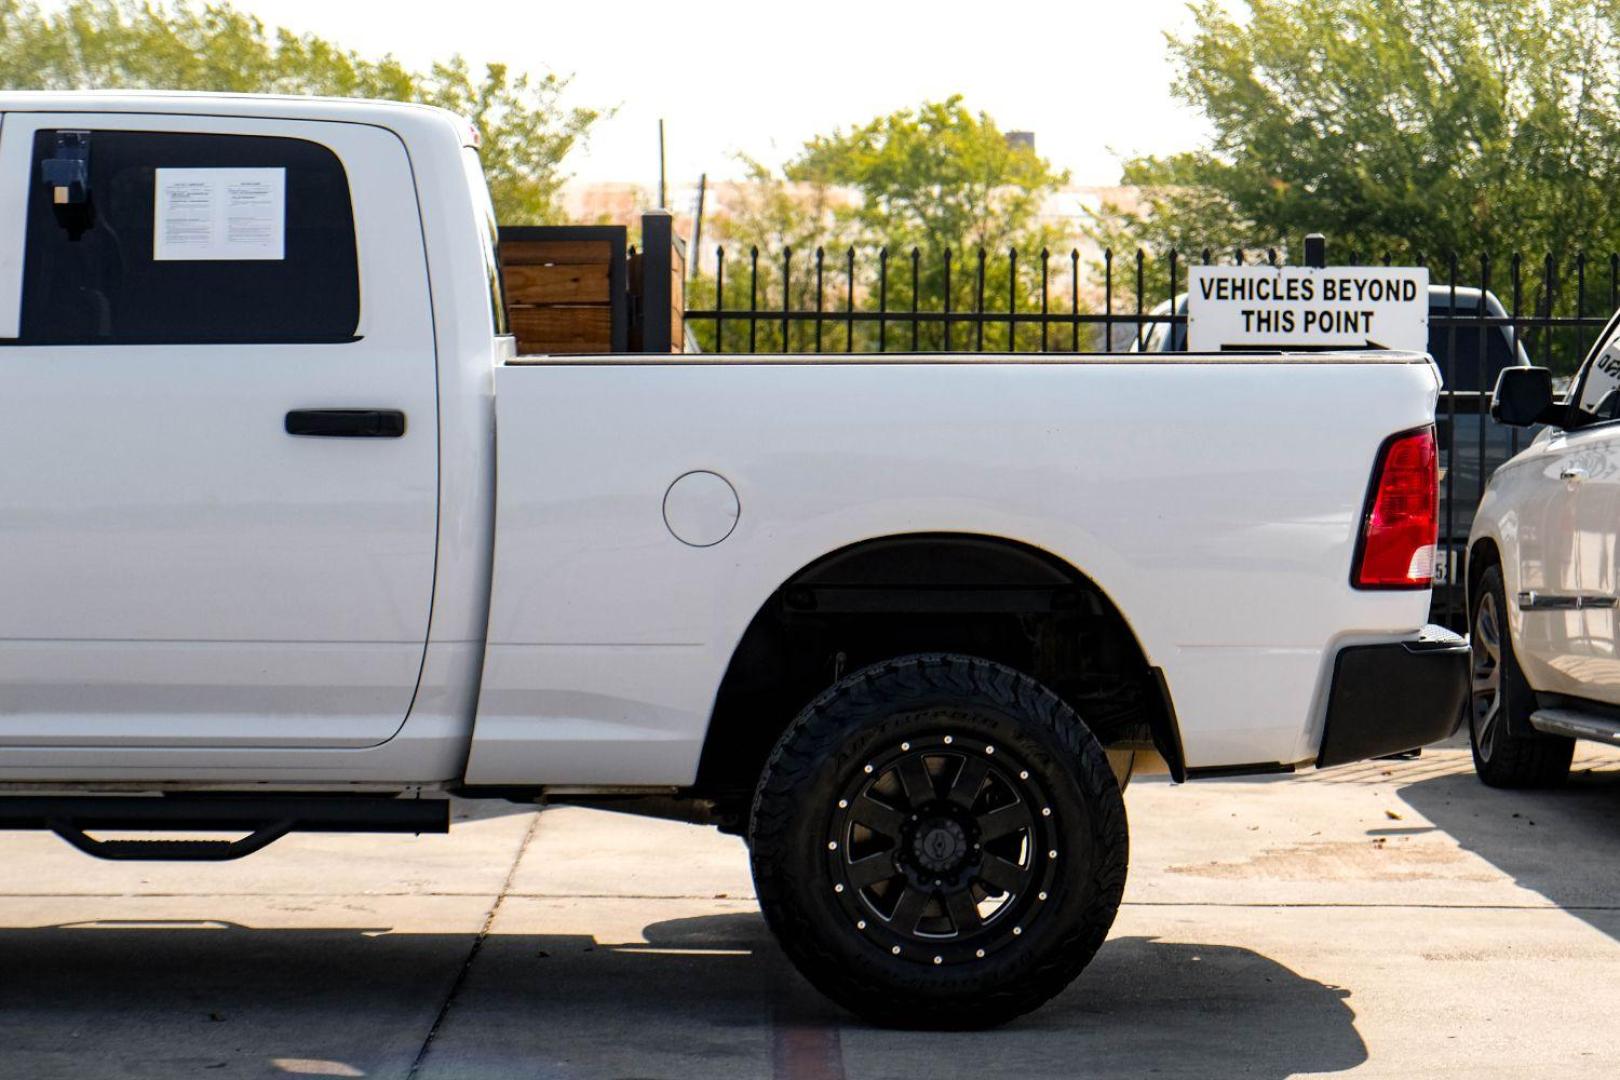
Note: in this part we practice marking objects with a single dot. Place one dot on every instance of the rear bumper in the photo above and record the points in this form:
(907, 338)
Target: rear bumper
(1395, 696)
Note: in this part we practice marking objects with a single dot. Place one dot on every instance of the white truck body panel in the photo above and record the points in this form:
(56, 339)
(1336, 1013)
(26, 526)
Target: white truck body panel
(1218, 519)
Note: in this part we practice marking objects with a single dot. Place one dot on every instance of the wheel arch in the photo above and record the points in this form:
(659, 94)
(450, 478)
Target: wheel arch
(1482, 555)
(977, 594)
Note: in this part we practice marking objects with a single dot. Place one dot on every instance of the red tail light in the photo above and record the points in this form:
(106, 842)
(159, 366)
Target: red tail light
(1402, 521)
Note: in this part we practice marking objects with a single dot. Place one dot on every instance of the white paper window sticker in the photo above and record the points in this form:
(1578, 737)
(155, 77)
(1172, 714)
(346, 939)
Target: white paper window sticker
(220, 214)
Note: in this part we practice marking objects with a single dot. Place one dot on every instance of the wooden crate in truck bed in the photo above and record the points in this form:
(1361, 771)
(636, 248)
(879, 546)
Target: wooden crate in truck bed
(566, 288)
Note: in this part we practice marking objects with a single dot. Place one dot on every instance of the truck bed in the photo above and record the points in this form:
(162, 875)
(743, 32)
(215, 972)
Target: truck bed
(1209, 497)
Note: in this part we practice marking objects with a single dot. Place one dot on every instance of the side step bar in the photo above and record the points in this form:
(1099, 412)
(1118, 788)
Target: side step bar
(1576, 725)
(265, 819)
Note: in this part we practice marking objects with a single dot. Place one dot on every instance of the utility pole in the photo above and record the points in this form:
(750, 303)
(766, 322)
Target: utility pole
(695, 255)
(662, 193)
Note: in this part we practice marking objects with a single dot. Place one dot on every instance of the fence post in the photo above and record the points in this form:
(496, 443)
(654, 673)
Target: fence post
(1316, 250)
(663, 275)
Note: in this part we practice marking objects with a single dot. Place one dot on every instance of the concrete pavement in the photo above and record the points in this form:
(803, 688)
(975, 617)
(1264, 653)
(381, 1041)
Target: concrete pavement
(1390, 919)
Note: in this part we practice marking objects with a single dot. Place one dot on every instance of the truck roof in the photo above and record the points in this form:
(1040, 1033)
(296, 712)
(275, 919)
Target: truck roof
(391, 114)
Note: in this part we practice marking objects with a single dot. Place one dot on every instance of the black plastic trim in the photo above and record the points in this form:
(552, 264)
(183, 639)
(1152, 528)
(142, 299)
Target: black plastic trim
(1175, 757)
(346, 423)
(1395, 696)
(1259, 768)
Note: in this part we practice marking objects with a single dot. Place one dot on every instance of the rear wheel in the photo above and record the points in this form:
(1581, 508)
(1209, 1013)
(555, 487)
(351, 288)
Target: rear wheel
(1507, 753)
(938, 841)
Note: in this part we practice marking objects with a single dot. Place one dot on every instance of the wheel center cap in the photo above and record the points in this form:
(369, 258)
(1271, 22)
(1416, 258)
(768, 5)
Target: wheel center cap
(940, 844)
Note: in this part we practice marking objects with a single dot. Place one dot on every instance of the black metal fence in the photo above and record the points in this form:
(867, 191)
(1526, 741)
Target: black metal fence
(1485, 313)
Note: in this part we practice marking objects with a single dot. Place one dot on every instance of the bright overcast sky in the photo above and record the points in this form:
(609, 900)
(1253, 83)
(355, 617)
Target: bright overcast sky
(1089, 77)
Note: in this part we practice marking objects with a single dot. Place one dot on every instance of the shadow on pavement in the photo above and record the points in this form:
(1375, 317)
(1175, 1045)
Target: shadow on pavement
(1563, 844)
(708, 996)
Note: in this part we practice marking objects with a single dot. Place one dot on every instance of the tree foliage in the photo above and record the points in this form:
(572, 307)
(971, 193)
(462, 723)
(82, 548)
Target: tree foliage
(936, 179)
(936, 176)
(1420, 127)
(526, 129)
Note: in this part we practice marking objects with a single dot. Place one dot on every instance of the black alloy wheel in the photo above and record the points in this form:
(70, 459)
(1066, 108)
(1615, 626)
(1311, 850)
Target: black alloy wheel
(943, 848)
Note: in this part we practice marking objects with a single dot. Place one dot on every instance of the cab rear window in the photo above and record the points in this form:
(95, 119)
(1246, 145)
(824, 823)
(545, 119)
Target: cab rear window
(138, 237)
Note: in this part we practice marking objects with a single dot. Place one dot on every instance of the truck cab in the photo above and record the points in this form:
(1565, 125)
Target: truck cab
(235, 345)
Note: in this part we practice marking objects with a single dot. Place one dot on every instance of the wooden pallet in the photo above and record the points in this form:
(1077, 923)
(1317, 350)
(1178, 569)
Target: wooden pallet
(566, 287)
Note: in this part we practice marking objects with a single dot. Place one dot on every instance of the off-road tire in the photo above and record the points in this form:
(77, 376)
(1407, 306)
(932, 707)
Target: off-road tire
(961, 708)
(1507, 752)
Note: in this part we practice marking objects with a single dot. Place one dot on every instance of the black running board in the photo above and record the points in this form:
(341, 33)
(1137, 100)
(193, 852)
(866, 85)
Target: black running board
(265, 819)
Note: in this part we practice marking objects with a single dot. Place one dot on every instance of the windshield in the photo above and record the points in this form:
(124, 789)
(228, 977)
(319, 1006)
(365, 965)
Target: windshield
(1600, 376)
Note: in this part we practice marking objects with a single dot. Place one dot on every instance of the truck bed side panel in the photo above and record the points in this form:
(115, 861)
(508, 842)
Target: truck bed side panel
(1217, 503)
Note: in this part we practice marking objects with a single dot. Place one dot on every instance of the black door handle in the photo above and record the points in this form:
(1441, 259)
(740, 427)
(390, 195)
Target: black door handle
(347, 423)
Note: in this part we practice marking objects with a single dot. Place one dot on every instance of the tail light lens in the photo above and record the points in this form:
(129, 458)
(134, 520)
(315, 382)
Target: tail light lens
(1402, 521)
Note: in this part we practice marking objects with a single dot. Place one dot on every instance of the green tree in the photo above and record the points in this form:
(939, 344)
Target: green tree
(936, 176)
(526, 129)
(1416, 127)
(937, 179)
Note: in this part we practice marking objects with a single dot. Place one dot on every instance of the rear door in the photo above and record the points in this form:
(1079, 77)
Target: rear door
(196, 550)
(1551, 548)
(1593, 661)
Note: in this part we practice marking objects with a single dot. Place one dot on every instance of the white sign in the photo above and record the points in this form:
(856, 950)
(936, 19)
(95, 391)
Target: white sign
(220, 214)
(1286, 307)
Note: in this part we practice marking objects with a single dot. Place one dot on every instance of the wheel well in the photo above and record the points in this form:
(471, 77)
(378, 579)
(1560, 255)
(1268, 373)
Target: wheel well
(982, 596)
(1481, 557)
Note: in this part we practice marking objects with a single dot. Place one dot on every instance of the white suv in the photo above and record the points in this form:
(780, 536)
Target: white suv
(1543, 567)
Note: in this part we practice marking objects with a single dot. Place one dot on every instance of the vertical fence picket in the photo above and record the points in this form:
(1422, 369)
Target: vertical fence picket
(1451, 555)
(978, 305)
(849, 301)
(753, 300)
(787, 294)
(1074, 299)
(1045, 257)
(1170, 329)
(1012, 299)
(1515, 270)
(1141, 288)
(916, 294)
(820, 260)
(1108, 300)
(1479, 381)
(1580, 284)
(719, 299)
(883, 299)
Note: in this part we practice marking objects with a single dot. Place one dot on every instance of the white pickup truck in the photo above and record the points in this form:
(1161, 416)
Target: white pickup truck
(291, 539)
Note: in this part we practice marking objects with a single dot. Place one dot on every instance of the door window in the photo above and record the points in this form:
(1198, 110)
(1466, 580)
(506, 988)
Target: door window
(140, 237)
